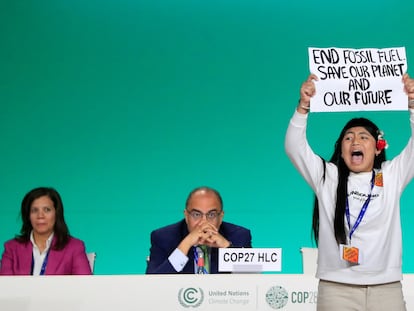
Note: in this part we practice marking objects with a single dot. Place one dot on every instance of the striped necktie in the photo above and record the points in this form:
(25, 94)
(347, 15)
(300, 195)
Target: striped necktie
(204, 248)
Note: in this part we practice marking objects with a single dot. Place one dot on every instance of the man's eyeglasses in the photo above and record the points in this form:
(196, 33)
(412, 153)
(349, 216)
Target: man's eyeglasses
(211, 215)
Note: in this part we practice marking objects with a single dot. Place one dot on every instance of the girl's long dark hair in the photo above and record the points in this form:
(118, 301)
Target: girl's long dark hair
(343, 173)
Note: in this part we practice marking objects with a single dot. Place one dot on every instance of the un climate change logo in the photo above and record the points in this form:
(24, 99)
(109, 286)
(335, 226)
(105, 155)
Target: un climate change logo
(277, 297)
(190, 297)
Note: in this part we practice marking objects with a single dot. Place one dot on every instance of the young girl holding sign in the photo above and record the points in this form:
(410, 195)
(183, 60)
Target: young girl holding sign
(357, 209)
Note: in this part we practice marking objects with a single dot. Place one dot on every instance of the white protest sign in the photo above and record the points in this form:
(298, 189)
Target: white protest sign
(250, 259)
(358, 79)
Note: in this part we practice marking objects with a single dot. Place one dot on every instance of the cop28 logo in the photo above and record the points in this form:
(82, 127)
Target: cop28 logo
(277, 297)
(190, 297)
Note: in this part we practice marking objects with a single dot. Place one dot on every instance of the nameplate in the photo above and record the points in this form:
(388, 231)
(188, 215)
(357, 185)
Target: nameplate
(254, 260)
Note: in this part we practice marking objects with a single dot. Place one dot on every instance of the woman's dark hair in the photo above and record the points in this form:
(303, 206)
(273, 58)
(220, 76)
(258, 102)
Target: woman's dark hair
(343, 173)
(61, 231)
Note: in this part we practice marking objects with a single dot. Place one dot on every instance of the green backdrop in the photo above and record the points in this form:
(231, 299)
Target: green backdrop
(126, 106)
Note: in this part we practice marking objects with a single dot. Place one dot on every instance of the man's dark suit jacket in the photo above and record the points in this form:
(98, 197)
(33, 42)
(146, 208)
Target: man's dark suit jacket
(165, 240)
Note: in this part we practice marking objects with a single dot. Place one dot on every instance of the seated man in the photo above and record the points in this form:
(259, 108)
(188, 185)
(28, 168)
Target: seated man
(175, 248)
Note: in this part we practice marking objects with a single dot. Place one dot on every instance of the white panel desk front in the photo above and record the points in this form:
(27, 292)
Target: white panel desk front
(166, 292)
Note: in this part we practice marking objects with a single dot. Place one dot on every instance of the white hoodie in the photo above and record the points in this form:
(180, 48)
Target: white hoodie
(378, 237)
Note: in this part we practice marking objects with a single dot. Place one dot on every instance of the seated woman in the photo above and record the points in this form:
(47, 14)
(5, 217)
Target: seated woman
(44, 246)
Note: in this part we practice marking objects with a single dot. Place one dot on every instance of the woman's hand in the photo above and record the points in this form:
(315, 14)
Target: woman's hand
(306, 92)
(409, 89)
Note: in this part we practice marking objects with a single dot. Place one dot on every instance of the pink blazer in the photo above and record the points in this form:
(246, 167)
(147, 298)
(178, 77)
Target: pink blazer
(17, 259)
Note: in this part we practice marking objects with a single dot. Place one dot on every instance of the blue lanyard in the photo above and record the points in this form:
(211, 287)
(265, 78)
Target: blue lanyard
(361, 213)
(44, 264)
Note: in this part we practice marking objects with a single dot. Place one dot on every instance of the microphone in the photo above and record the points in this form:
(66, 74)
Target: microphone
(200, 260)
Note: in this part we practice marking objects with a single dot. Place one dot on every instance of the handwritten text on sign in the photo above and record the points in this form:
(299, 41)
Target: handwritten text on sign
(358, 79)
